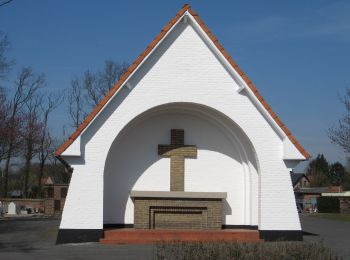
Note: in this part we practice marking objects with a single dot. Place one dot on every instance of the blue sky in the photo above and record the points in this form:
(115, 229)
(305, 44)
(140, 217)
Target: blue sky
(297, 53)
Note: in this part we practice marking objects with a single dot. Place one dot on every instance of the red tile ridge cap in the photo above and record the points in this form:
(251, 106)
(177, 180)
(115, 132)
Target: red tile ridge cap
(144, 54)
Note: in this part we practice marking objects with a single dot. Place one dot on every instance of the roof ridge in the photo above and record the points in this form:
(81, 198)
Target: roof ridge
(142, 56)
(250, 85)
(121, 80)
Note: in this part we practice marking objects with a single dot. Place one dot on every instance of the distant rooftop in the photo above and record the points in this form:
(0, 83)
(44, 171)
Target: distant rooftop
(336, 194)
(296, 177)
(314, 190)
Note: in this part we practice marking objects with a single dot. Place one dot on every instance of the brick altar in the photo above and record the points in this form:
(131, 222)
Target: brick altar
(177, 210)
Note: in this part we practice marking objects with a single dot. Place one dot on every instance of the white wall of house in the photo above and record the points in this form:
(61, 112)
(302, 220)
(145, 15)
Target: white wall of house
(182, 69)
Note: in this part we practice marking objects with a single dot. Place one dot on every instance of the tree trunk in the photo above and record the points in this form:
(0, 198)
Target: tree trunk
(6, 172)
(9, 151)
(1, 180)
(27, 170)
(41, 175)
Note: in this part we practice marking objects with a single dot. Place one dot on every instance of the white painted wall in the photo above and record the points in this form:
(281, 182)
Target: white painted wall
(182, 69)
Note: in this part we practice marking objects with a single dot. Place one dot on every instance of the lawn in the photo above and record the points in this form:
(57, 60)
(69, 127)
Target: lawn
(334, 216)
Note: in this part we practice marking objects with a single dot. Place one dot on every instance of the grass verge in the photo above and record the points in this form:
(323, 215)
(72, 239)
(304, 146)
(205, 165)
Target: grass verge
(334, 216)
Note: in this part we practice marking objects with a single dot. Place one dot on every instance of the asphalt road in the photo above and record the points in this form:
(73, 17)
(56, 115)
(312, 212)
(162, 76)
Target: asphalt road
(35, 239)
(331, 233)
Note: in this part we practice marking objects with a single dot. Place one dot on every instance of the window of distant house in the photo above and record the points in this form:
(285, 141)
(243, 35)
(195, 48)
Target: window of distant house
(64, 192)
(50, 192)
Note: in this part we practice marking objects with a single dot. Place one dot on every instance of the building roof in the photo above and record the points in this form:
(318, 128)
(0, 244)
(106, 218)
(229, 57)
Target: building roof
(46, 181)
(315, 190)
(148, 50)
(296, 177)
(336, 194)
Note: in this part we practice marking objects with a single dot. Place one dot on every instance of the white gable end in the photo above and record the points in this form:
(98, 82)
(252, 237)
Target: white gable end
(184, 83)
(74, 149)
(290, 152)
(189, 47)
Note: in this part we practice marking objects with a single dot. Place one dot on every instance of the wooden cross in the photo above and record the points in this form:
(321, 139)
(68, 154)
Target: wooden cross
(177, 151)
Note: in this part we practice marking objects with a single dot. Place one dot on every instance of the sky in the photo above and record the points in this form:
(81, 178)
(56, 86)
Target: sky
(297, 53)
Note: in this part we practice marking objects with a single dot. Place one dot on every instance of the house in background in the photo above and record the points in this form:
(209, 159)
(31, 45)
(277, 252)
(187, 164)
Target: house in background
(55, 196)
(306, 196)
(46, 181)
(300, 180)
(344, 200)
(51, 203)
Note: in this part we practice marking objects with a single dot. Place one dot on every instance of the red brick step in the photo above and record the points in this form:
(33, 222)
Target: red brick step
(142, 236)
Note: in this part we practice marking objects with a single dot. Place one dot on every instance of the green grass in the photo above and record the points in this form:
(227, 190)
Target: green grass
(334, 216)
(243, 251)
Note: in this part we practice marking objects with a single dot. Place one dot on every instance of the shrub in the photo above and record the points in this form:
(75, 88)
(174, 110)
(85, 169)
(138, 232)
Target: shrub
(328, 205)
(243, 251)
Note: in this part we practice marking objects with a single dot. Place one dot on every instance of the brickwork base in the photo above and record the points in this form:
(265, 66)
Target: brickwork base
(174, 213)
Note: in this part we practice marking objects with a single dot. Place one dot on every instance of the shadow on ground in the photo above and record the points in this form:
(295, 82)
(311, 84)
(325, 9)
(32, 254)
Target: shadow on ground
(35, 238)
(331, 233)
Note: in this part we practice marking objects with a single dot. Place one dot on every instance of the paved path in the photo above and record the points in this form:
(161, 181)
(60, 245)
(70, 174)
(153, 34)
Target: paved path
(332, 233)
(35, 239)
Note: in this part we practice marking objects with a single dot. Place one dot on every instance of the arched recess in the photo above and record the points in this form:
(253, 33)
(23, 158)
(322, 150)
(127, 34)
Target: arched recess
(226, 161)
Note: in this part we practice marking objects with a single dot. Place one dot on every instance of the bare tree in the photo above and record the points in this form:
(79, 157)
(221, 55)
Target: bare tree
(87, 92)
(26, 86)
(31, 134)
(4, 2)
(340, 134)
(46, 145)
(3, 124)
(98, 84)
(76, 103)
(5, 64)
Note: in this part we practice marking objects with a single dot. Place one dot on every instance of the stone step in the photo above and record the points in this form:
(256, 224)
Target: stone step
(134, 236)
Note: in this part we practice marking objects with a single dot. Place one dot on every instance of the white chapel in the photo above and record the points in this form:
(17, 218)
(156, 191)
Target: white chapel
(183, 131)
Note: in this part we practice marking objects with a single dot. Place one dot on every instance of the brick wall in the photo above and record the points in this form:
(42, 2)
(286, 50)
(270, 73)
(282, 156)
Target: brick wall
(49, 207)
(31, 203)
(177, 213)
(54, 201)
(344, 205)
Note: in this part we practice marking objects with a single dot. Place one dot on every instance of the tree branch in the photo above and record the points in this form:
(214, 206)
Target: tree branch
(6, 2)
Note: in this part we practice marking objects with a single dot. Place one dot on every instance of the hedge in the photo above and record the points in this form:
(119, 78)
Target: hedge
(243, 251)
(328, 205)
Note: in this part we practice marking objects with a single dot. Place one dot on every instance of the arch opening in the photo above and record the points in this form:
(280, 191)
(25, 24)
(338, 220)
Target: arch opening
(226, 161)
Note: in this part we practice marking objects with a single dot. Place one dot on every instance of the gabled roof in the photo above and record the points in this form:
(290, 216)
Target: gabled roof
(296, 177)
(46, 181)
(148, 50)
